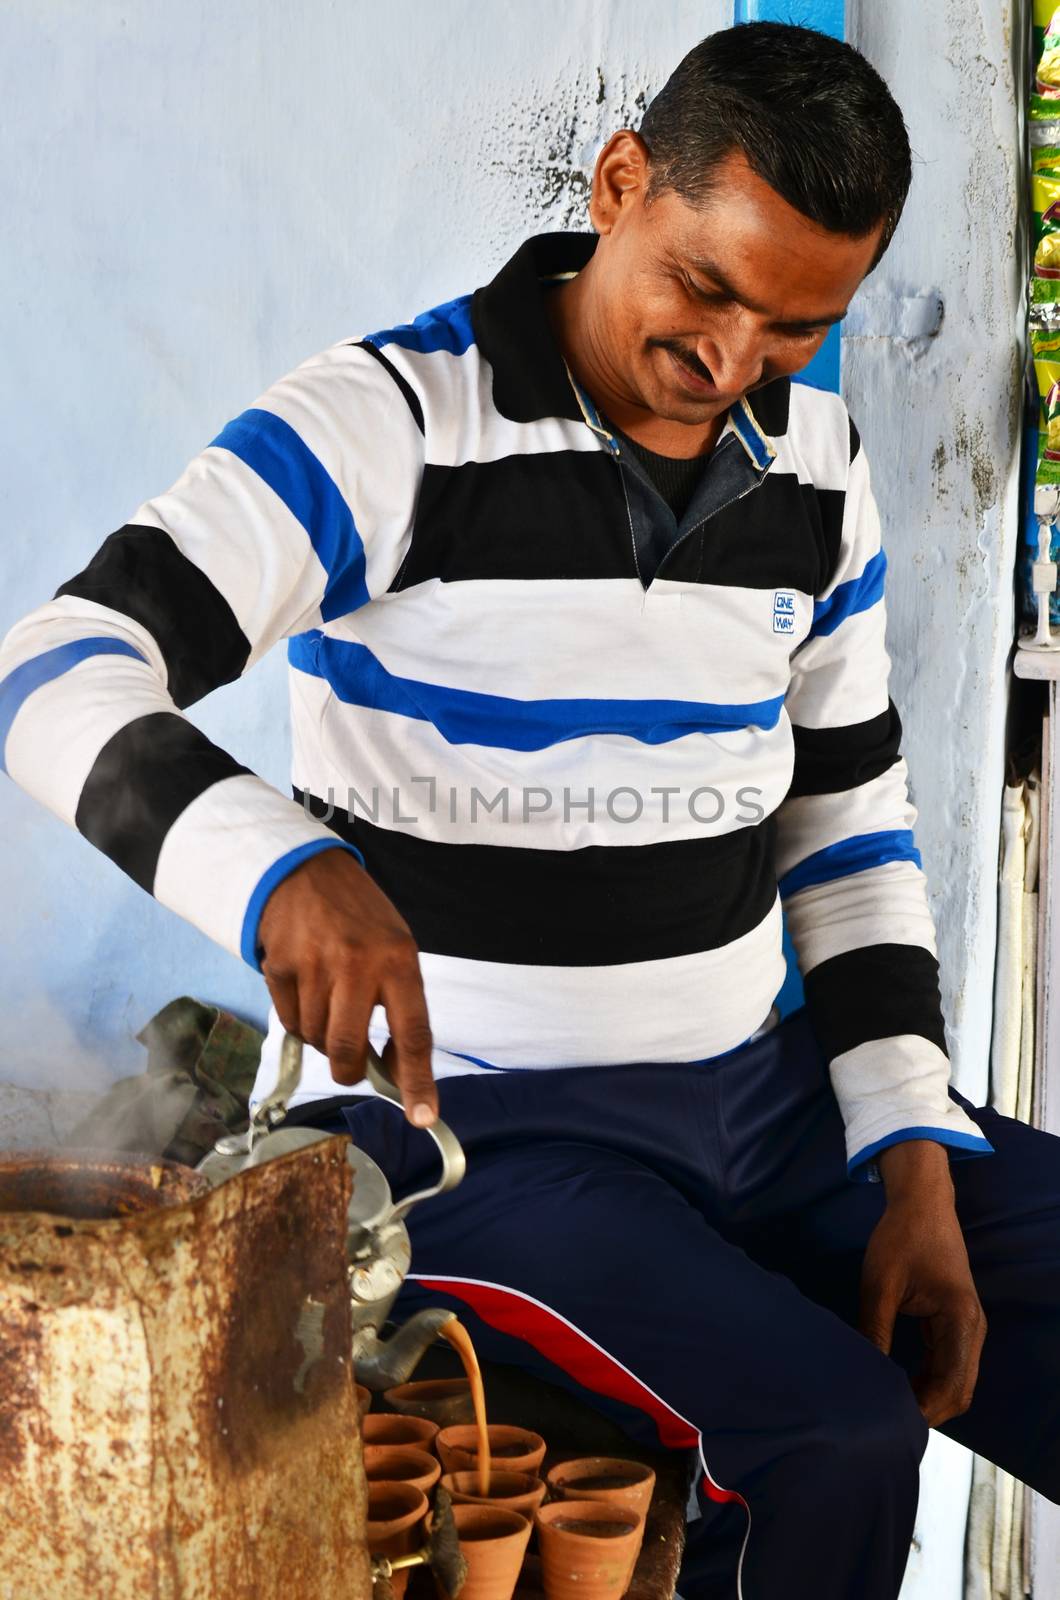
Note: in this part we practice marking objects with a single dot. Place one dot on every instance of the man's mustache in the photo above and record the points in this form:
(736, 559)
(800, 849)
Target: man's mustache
(687, 358)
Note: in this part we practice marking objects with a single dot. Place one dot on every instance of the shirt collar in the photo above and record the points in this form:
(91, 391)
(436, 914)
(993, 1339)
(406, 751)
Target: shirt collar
(514, 334)
(530, 377)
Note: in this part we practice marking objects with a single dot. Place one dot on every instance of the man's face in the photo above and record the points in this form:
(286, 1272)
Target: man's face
(698, 305)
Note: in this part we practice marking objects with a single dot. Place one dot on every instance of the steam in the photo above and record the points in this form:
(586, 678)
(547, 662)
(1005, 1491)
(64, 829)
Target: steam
(50, 1079)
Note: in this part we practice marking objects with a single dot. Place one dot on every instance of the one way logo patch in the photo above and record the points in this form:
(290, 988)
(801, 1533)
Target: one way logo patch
(784, 611)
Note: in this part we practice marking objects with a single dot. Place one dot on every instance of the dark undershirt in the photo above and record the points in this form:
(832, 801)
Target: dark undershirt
(675, 477)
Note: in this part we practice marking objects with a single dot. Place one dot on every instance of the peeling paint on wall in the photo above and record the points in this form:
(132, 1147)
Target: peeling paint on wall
(547, 150)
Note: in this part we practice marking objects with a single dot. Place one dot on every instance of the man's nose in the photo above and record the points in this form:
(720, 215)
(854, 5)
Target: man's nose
(736, 360)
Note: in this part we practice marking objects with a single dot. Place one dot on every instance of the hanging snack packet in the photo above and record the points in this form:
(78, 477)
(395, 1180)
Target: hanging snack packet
(1043, 13)
(1045, 206)
(1046, 267)
(1045, 99)
(1045, 203)
(1045, 349)
(1045, 455)
(1042, 443)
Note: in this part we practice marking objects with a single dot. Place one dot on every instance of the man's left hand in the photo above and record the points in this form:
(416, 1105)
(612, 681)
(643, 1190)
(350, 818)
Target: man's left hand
(917, 1263)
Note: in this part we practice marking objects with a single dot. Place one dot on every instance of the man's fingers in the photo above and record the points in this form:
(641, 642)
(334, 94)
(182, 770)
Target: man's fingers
(284, 992)
(314, 1005)
(880, 1301)
(347, 1032)
(954, 1342)
(410, 1039)
(334, 1023)
(334, 947)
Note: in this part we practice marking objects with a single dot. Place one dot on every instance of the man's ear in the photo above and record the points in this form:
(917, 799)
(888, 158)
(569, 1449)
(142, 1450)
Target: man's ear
(620, 178)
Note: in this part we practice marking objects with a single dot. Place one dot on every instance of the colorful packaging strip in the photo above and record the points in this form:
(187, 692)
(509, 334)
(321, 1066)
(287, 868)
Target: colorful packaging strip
(1045, 96)
(1045, 207)
(1045, 352)
(1042, 428)
(1043, 12)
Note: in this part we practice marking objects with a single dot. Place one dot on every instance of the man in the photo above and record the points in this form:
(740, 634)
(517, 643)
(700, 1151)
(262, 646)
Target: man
(584, 607)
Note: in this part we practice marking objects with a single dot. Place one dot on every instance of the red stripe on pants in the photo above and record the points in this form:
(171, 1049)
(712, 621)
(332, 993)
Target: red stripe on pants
(552, 1336)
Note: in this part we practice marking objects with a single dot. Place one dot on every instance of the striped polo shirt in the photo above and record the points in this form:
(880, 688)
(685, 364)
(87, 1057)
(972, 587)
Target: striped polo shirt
(589, 753)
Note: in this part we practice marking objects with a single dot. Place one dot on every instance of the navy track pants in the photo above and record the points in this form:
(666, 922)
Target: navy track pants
(683, 1243)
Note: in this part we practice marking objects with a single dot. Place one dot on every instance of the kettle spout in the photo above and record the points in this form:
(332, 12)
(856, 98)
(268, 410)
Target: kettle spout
(383, 1363)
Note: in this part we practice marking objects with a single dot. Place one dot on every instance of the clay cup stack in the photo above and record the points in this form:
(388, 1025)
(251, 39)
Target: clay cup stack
(588, 1535)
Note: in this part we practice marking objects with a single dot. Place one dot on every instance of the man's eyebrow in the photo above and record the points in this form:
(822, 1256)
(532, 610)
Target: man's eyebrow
(711, 270)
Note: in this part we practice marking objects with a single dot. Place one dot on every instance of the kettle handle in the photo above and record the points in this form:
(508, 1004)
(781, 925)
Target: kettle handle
(454, 1161)
(272, 1110)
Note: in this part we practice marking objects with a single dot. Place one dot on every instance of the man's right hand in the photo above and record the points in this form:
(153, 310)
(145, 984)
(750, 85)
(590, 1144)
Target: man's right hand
(334, 947)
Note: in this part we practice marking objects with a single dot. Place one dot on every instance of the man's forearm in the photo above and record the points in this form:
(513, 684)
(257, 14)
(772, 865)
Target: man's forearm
(916, 1167)
(916, 1263)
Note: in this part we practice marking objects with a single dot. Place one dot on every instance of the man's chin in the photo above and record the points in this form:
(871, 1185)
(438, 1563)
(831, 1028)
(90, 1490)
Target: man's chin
(683, 408)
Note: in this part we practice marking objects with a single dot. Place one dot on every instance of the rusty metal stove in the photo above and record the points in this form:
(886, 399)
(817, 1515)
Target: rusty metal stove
(177, 1412)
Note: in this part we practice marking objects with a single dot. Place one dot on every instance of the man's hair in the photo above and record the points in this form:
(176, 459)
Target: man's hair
(811, 116)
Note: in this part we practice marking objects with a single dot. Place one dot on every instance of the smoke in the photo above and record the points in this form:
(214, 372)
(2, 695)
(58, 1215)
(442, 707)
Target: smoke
(34, 1119)
(49, 1079)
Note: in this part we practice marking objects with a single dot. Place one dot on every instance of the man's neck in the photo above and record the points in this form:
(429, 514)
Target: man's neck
(570, 309)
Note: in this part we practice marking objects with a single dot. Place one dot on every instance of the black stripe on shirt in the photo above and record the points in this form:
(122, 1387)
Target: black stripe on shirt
(601, 905)
(875, 993)
(771, 405)
(562, 515)
(141, 573)
(784, 534)
(140, 783)
(829, 760)
(412, 399)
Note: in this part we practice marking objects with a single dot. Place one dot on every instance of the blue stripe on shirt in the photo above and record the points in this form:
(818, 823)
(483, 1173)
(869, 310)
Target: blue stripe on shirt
(271, 448)
(464, 716)
(445, 327)
(857, 854)
(847, 599)
(961, 1144)
(50, 664)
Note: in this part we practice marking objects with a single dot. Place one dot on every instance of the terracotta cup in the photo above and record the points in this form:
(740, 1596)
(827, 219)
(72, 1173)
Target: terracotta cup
(512, 1449)
(364, 1400)
(401, 1463)
(512, 1491)
(588, 1548)
(444, 1400)
(395, 1512)
(378, 1427)
(622, 1483)
(492, 1542)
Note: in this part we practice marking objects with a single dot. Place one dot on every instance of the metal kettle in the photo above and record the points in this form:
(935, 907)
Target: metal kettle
(378, 1253)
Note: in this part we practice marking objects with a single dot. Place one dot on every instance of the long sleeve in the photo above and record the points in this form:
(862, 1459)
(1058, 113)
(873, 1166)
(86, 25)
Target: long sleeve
(297, 513)
(849, 870)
